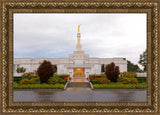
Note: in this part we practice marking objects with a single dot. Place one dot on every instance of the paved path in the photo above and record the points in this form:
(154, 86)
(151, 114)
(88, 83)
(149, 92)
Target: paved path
(80, 95)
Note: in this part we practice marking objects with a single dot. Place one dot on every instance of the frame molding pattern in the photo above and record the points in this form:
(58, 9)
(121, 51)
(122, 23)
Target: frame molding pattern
(78, 107)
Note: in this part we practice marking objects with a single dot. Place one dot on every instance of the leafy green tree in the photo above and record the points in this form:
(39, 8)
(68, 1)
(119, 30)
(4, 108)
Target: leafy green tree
(21, 70)
(45, 71)
(132, 67)
(102, 68)
(143, 60)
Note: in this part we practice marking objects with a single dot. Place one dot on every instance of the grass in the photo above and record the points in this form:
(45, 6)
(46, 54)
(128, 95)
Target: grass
(38, 86)
(120, 86)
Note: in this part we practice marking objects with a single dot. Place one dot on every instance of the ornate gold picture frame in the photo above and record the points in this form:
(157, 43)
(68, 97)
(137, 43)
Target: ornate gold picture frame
(8, 7)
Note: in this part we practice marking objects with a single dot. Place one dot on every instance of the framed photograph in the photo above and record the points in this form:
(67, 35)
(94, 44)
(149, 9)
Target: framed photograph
(72, 57)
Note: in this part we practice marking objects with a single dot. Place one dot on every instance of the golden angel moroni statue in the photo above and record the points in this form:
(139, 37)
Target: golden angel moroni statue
(79, 27)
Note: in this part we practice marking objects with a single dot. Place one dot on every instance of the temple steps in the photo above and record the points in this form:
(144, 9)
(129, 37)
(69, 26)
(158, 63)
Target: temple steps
(78, 84)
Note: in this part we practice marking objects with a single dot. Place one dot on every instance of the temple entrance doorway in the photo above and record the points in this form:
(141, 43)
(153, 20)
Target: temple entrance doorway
(79, 72)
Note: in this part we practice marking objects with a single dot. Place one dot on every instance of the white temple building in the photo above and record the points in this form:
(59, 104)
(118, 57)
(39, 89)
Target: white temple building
(77, 64)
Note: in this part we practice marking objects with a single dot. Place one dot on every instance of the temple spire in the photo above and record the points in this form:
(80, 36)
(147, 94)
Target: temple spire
(78, 46)
(79, 28)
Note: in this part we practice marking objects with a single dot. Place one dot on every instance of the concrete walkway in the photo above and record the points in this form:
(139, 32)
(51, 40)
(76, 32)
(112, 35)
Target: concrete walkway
(80, 95)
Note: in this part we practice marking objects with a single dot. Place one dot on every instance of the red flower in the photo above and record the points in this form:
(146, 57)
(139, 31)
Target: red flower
(66, 78)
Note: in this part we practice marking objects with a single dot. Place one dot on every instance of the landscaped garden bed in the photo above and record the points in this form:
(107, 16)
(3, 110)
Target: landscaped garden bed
(31, 81)
(113, 79)
(44, 78)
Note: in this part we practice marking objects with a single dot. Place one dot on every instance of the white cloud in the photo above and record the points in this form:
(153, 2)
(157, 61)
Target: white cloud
(102, 35)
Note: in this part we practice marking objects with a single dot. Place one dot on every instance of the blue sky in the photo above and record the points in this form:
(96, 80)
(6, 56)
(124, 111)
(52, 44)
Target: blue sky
(102, 35)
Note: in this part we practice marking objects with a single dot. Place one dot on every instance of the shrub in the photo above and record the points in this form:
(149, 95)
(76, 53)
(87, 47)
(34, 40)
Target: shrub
(95, 81)
(21, 70)
(141, 79)
(35, 80)
(128, 78)
(61, 76)
(17, 79)
(128, 74)
(38, 86)
(54, 80)
(66, 78)
(104, 81)
(121, 79)
(45, 71)
(133, 81)
(112, 72)
(96, 76)
(28, 75)
(62, 81)
(24, 81)
(119, 86)
(125, 81)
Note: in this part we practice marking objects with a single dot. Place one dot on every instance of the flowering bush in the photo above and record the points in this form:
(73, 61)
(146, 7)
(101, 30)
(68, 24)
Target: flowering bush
(62, 81)
(66, 78)
(97, 78)
(93, 76)
(121, 79)
(61, 75)
(28, 75)
(95, 81)
(30, 81)
(104, 81)
(133, 81)
(35, 80)
(100, 81)
(126, 80)
(54, 80)
(24, 81)
(128, 74)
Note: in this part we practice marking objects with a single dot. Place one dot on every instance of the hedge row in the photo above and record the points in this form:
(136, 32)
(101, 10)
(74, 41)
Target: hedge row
(119, 86)
(17, 79)
(38, 86)
(141, 79)
(97, 76)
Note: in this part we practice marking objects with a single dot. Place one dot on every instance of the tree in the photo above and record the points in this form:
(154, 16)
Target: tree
(45, 71)
(21, 70)
(132, 67)
(112, 72)
(102, 68)
(143, 60)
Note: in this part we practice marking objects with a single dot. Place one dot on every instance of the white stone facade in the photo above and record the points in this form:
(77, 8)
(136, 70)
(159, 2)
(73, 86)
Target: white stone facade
(76, 60)
(66, 65)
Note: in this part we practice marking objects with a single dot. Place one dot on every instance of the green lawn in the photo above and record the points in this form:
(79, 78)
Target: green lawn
(120, 86)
